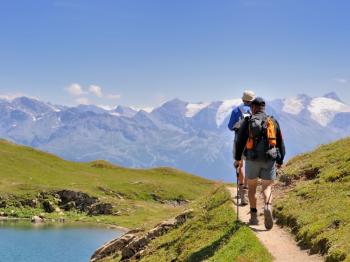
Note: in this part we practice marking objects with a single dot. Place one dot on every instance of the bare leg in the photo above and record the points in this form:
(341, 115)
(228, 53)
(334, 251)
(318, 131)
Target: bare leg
(266, 190)
(252, 184)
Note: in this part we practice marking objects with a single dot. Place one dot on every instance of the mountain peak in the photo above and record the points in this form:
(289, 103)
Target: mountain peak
(174, 106)
(32, 105)
(176, 101)
(125, 111)
(334, 96)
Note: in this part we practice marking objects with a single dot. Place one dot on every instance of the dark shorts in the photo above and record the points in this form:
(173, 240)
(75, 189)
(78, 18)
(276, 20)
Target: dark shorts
(260, 169)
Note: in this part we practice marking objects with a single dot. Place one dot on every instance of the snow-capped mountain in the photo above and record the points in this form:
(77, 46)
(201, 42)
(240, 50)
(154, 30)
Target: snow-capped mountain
(189, 136)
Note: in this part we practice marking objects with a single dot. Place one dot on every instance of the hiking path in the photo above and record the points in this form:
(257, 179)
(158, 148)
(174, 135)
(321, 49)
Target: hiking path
(278, 241)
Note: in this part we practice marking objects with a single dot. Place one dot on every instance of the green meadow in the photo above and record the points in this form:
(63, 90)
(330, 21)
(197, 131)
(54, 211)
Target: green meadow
(135, 194)
(316, 205)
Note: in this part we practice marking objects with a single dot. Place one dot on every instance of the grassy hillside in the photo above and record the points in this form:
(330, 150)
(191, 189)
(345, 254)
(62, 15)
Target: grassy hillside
(211, 235)
(317, 203)
(140, 198)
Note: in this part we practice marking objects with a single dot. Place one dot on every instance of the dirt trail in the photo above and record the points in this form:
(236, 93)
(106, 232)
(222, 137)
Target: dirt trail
(278, 241)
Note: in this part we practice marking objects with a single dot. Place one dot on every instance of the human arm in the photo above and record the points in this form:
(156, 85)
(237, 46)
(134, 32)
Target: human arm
(280, 146)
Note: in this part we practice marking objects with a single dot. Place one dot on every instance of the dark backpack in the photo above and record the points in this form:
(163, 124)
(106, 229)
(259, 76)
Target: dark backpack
(261, 144)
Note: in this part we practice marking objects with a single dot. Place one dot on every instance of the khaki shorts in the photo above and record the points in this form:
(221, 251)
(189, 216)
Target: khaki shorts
(260, 169)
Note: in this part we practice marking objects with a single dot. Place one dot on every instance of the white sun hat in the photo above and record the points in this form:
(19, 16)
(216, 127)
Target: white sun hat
(248, 95)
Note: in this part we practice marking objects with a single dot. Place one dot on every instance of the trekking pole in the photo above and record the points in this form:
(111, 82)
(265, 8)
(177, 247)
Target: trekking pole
(237, 199)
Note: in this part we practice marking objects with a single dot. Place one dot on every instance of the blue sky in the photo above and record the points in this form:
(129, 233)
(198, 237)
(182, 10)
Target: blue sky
(142, 52)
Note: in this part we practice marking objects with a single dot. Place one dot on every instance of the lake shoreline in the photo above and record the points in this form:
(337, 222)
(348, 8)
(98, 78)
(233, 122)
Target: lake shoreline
(60, 222)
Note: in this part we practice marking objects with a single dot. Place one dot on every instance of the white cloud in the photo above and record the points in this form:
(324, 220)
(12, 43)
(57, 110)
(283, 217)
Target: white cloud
(113, 96)
(96, 90)
(82, 101)
(341, 80)
(75, 89)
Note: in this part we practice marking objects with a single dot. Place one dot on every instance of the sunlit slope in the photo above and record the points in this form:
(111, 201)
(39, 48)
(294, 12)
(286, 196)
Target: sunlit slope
(318, 206)
(137, 193)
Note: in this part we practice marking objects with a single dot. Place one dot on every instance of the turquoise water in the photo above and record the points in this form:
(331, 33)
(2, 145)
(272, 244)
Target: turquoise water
(24, 242)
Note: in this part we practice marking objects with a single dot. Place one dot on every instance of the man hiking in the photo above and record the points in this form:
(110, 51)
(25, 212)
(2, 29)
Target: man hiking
(261, 140)
(237, 116)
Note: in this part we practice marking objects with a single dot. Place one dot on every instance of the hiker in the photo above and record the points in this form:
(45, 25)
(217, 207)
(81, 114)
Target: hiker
(261, 140)
(237, 116)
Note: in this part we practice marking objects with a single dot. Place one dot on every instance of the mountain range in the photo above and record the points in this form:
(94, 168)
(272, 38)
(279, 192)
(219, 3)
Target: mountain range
(190, 136)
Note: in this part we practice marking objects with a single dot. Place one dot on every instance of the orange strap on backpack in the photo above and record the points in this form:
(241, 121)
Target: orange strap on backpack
(250, 141)
(271, 132)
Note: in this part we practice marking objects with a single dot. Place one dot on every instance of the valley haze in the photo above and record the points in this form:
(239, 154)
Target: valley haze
(189, 136)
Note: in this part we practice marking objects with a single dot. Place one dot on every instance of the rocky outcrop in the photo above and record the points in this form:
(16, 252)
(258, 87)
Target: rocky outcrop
(133, 243)
(81, 200)
(112, 247)
(57, 201)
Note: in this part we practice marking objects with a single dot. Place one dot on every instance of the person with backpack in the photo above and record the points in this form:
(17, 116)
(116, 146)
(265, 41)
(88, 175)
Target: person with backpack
(260, 138)
(237, 116)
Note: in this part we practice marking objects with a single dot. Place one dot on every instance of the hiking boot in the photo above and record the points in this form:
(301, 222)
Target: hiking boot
(253, 218)
(268, 219)
(243, 195)
(239, 191)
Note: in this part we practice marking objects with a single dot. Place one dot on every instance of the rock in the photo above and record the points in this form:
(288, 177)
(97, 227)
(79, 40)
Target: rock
(175, 202)
(112, 247)
(48, 206)
(37, 219)
(101, 209)
(29, 202)
(132, 244)
(119, 195)
(2, 204)
(155, 197)
(117, 213)
(135, 231)
(69, 206)
(33, 203)
(184, 216)
(134, 247)
(81, 200)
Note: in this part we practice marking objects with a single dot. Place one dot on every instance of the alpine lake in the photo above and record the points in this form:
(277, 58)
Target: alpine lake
(22, 241)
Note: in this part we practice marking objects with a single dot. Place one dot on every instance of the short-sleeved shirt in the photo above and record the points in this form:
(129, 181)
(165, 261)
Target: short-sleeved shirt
(238, 113)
